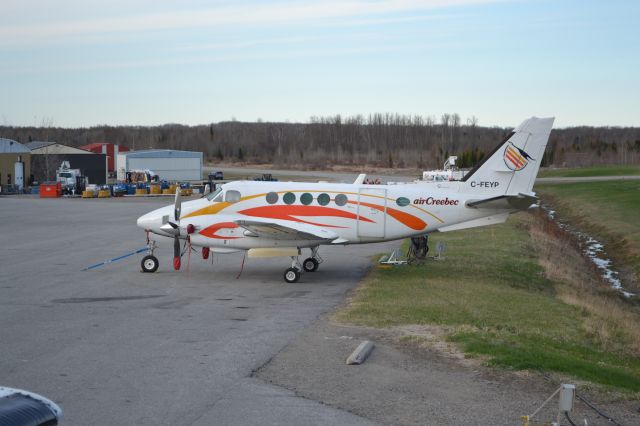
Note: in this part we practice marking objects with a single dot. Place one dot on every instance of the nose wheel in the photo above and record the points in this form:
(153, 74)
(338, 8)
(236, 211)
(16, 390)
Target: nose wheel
(149, 263)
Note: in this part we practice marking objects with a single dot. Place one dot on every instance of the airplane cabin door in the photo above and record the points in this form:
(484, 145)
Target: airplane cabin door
(372, 212)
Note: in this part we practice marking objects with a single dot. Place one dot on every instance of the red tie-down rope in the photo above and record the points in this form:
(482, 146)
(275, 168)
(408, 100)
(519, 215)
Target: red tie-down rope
(189, 255)
(241, 265)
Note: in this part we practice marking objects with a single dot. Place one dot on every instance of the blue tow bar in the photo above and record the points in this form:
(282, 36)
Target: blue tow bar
(115, 259)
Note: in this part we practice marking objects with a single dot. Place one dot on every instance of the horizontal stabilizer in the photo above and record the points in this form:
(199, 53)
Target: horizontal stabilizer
(483, 221)
(504, 202)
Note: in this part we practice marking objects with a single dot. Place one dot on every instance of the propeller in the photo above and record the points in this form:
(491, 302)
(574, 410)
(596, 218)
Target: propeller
(173, 227)
(177, 207)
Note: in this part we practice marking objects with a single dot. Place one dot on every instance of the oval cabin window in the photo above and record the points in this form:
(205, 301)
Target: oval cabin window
(403, 201)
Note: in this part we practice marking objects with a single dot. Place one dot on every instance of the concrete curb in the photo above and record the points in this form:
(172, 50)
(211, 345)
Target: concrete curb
(361, 353)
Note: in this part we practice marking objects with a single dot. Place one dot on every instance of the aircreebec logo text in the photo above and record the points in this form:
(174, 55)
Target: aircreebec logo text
(436, 201)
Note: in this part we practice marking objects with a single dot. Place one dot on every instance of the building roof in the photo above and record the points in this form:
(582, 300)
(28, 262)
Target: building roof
(37, 144)
(162, 153)
(13, 147)
(41, 147)
(97, 145)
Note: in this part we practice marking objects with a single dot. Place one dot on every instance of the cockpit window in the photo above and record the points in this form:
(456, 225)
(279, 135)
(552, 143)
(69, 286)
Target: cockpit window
(214, 194)
(232, 196)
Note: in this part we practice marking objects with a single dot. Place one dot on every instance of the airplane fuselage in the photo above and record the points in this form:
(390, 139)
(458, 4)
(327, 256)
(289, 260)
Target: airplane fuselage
(357, 213)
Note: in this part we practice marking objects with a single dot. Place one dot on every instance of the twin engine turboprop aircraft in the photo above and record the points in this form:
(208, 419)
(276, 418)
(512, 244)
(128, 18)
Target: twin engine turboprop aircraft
(282, 218)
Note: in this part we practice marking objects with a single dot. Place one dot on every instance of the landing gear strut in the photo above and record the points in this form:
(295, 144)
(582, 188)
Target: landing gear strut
(150, 263)
(310, 264)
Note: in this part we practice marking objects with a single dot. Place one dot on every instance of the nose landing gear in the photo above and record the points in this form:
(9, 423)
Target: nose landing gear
(150, 263)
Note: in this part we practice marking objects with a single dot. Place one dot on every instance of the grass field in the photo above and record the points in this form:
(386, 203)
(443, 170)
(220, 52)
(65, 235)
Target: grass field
(592, 171)
(610, 211)
(492, 293)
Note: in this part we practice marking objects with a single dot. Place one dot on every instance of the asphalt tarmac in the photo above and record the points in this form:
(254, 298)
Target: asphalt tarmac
(116, 346)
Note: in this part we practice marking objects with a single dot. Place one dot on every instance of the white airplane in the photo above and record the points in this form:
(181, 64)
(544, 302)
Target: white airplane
(282, 218)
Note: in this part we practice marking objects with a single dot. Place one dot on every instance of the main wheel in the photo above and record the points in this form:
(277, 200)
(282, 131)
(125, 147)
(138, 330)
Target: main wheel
(291, 275)
(310, 264)
(149, 263)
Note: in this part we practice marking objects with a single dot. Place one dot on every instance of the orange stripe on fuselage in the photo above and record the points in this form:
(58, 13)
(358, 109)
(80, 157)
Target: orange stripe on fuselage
(210, 231)
(287, 212)
(406, 219)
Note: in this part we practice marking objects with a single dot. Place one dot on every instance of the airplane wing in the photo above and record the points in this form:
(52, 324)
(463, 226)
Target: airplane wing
(505, 202)
(277, 230)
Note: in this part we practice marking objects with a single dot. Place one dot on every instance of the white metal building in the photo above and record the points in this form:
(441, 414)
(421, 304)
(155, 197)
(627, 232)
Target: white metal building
(169, 164)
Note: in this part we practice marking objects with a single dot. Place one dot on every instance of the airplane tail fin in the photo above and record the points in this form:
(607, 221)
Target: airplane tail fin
(511, 168)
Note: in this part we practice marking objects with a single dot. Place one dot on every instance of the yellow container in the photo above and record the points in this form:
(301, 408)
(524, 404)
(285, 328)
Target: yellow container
(141, 191)
(104, 193)
(186, 192)
(155, 189)
(88, 194)
(172, 188)
(168, 192)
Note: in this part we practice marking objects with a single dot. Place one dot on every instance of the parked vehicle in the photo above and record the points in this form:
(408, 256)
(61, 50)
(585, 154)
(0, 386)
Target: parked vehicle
(217, 175)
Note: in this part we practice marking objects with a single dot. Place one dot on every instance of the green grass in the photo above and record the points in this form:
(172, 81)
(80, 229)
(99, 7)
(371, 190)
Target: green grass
(610, 211)
(592, 171)
(492, 292)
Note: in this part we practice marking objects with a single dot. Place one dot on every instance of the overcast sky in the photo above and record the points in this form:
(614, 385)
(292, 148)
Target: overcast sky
(83, 62)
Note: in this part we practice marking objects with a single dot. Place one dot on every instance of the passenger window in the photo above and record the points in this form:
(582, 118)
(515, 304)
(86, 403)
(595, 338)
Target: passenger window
(402, 201)
(306, 198)
(232, 196)
(272, 197)
(323, 199)
(341, 199)
(289, 198)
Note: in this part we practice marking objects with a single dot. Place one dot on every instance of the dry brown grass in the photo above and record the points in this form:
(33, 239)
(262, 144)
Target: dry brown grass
(609, 320)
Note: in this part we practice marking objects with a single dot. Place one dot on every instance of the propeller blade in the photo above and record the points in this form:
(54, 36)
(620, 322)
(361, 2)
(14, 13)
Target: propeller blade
(177, 205)
(176, 247)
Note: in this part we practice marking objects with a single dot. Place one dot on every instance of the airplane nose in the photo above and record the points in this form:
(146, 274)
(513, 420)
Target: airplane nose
(147, 221)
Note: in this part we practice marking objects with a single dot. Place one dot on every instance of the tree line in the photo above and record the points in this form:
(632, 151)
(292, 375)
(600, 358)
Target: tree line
(377, 140)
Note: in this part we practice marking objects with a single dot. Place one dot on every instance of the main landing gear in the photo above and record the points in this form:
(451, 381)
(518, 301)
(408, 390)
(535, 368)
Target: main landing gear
(310, 264)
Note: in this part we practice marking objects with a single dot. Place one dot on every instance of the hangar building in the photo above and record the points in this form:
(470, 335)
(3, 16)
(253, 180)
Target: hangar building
(15, 163)
(46, 158)
(171, 165)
